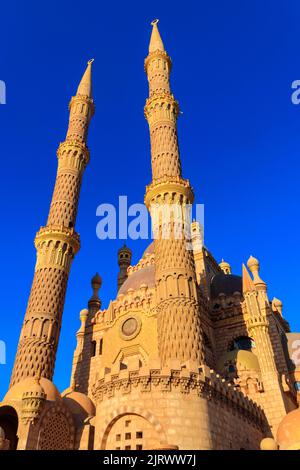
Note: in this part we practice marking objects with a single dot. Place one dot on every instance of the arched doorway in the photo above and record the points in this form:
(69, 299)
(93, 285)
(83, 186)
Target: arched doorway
(9, 423)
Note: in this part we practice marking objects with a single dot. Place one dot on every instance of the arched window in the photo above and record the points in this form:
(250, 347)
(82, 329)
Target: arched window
(242, 342)
(101, 346)
(93, 348)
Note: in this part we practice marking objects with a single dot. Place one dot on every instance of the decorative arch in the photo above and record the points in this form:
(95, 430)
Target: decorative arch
(9, 422)
(131, 410)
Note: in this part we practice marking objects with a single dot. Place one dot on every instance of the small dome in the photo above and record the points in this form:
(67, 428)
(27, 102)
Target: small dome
(288, 432)
(35, 388)
(241, 359)
(144, 276)
(252, 263)
(125, 249)
(276, 302)
(29, 384)
(78, 403)
(226, 284)
(226, 268)
(268, 444)
(83, 313)
(96, 281)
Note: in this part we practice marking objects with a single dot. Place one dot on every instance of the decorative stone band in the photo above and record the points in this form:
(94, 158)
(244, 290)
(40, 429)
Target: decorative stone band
(56, 246)
(69, 149)
(160, 107)
(169, 190)
(82, 99)
(191, 379)
(59, 233)
(257, 322)
(146, 261)
(157, 55)
(32, 405)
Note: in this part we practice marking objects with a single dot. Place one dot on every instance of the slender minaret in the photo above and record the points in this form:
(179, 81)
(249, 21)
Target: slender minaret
(56, 245)
(124, 260)
(179, 328)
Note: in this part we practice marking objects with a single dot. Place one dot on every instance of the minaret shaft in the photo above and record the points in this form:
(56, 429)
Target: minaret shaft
(179, 328)
(56, 245)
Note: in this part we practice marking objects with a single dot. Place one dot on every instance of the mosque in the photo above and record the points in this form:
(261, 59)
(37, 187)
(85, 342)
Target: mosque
(187, 356)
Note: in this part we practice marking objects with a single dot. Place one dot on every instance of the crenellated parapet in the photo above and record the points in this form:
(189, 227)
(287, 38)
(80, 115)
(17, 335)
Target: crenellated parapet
(56, 247)
(73, 156)
(189, 379)
(161, 107)
(142, 299)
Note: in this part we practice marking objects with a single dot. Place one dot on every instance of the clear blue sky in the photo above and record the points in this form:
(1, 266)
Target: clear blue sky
(233, 65)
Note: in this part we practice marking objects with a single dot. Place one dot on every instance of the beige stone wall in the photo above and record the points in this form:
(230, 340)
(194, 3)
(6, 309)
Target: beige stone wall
(173, 418)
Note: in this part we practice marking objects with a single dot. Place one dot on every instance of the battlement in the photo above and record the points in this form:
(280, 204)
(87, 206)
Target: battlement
(188, 378)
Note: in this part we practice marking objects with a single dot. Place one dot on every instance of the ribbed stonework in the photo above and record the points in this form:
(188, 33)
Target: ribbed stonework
(179, 328)
(56, 245)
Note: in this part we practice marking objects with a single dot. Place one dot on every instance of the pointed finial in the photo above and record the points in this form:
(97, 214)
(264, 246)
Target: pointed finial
(85, 85)
(248, 284)
(253, 265)
(156, 43)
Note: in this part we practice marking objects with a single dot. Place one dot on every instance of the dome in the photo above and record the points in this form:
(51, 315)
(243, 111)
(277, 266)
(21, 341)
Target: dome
(145, 276)
(29, 384)
(35, 388)
(288, 433)
(241, 359)
(226, 268)
(96, 281)
(226, 284)
(253, 263)
(149, 250)
(268, 444)
(78, 402)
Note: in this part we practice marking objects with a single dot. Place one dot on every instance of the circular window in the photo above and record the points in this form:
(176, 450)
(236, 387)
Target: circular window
(130, 327)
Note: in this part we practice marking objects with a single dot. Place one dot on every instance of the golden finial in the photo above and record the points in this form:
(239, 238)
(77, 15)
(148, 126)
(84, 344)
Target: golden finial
(156, 43)
(90, 61)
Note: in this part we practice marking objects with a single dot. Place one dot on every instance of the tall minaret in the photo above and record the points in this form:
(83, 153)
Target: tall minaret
(179, 328)
(56, 245)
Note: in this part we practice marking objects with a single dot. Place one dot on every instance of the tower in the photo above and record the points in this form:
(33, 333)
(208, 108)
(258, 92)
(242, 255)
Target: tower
(56, 245)
(167, 198)
(124, 260)
(258, 312)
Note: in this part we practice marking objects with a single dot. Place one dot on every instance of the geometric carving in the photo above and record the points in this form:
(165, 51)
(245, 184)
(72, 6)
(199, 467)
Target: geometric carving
(56, 432)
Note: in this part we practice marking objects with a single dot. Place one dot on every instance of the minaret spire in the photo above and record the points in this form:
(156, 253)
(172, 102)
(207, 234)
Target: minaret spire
(156, 43)
(56, 245)
(85, 85)
(179, 322)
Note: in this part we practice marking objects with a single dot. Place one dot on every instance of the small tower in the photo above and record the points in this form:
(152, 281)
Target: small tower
(253, 265)
(226, 268)
(124, 260)
(57, 243)
(258, 326)
(32, 402)
(95, 302)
